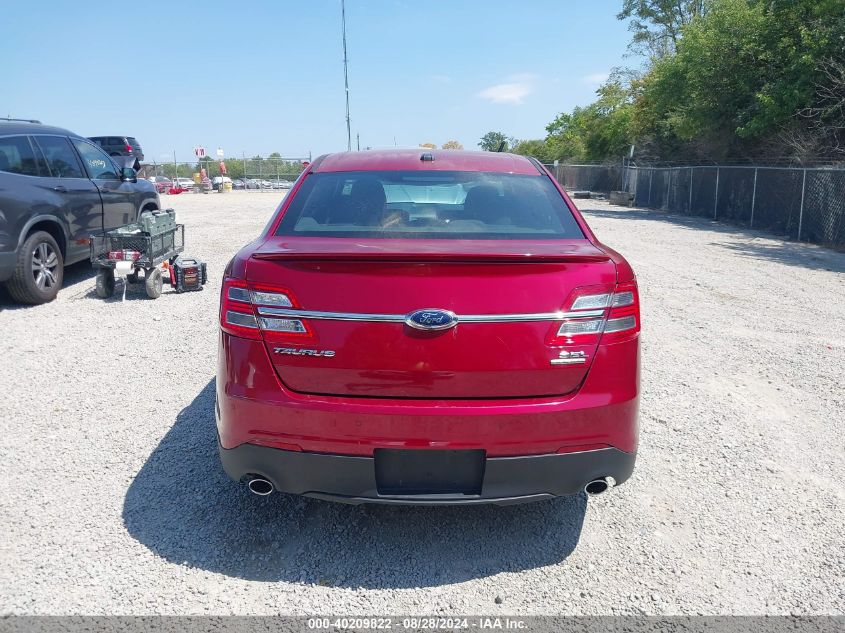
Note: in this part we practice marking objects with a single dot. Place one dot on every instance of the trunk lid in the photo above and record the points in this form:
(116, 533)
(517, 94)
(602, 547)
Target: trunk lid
(505, 294)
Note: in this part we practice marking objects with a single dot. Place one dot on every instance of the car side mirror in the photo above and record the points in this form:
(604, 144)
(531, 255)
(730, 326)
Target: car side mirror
(127, 174)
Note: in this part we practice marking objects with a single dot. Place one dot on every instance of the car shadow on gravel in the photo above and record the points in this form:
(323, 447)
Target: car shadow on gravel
(183, 507)
(776, 248)
(73, 274)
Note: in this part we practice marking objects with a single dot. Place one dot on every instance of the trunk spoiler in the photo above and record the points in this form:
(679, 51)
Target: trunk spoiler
(310, 249)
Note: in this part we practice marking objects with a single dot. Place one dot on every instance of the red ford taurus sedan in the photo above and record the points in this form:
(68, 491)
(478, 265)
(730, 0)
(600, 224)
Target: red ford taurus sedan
(428, 327)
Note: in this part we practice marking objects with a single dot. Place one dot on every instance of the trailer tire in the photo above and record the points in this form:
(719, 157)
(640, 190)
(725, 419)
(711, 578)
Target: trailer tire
(105, 283)
(153, 283)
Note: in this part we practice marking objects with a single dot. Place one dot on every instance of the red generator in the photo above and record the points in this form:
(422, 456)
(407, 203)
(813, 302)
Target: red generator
(187, 274)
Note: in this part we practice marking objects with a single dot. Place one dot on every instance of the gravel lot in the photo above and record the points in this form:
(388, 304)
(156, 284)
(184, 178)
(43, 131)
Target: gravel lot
(113, 500)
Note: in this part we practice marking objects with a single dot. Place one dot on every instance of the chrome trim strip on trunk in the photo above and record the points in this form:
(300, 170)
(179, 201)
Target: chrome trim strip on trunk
(400, 318)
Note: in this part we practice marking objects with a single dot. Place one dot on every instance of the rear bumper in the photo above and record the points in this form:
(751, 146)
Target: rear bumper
(253, 407)
(352, 479)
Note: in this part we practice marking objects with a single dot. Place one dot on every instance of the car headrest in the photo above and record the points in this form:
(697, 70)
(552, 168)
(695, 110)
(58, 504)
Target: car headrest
(369, 192)
(484, 203)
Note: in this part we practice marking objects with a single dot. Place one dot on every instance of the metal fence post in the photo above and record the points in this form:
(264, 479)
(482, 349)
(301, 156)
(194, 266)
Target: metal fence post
(650, 180)
(753, 200)
(689, 204)
(801, 212)
(668, 188)
(716, 197)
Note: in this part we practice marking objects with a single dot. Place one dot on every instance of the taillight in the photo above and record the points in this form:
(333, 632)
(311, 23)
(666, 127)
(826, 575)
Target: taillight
(129, 148)
(609, 314)
(240, 306)
(124, 255)
(623, 319)
(236, 313)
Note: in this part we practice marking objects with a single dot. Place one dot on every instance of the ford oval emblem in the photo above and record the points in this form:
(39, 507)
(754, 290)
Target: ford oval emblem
(431, 319)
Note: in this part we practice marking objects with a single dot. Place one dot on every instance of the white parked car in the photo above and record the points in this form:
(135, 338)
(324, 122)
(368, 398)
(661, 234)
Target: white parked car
(218, 180)
(184, 183)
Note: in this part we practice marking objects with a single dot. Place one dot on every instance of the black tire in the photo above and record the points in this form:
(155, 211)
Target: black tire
(133, 278)
(105, 283)
(153, 283)
(148, 209)
(39, 270)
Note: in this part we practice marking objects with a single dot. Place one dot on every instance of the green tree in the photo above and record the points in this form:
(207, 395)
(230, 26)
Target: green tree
(657, 25)
(452, 145)
(740, 78)
(726, 80)
(597, 132)
(492, 141)
(538, 148)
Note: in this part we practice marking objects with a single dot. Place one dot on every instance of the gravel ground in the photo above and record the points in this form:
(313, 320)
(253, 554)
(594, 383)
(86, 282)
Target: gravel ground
(113, 501)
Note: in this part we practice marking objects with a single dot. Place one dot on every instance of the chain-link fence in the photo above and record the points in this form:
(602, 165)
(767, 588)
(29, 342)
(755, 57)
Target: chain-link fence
(603, 178)
(803, 204)
(273, 170)
(258, 172)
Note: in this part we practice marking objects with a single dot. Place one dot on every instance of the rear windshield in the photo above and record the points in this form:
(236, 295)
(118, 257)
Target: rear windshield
(132, 141)
(441, 204)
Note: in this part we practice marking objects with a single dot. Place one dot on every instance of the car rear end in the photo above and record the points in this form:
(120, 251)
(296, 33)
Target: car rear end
(410, 330)
(133, 148)
(163, 185)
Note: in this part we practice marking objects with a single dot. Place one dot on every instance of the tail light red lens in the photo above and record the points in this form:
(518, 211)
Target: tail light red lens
(623, 320)
(237, 316)
(124, 255)
(129, 148)
(239, 312)
(594, 313)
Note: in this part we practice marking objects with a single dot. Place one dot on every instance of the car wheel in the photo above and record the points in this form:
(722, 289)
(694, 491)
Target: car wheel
(105, 283)
(150, 208)
(39, 270)
(153, 283)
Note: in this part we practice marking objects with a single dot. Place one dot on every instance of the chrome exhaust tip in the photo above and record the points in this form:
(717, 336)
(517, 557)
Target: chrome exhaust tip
(259, 486)
(598, 486)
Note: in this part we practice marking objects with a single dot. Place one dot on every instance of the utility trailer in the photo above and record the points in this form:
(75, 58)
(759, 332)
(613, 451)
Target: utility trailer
(146, 245)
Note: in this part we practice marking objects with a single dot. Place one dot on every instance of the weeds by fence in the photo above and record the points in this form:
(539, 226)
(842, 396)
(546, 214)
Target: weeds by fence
(806, 204)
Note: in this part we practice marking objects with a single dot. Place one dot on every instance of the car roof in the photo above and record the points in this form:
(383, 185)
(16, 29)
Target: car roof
(19, 127)
(410, 160)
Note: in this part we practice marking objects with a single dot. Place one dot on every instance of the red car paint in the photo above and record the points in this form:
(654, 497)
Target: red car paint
(351, 387)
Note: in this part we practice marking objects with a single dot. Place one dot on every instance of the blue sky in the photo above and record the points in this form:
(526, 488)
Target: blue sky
(257, 77)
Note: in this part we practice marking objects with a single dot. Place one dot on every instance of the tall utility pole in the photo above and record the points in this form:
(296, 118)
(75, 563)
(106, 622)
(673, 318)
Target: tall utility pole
(346, 76)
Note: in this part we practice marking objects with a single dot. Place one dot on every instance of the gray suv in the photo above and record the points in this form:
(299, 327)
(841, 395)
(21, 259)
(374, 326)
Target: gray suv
(120, 146)
(56, 189)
